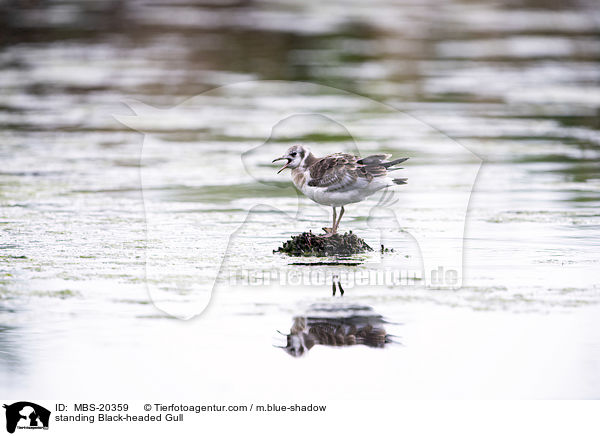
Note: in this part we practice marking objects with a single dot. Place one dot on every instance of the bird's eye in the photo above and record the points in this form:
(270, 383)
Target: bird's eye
(293, 154)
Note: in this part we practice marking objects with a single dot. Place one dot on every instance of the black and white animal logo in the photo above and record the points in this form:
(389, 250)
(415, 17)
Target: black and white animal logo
(26, 415)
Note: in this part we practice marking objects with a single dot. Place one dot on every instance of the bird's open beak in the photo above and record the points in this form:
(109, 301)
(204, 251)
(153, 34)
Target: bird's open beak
(285, 166)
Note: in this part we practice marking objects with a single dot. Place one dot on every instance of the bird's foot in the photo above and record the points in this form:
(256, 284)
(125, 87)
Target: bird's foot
(328, 232)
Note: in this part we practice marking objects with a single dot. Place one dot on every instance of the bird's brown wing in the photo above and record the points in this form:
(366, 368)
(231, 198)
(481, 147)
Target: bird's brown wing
(338, 172)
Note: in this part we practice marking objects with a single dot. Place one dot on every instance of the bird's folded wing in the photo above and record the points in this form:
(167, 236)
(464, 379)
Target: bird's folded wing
(337, 172)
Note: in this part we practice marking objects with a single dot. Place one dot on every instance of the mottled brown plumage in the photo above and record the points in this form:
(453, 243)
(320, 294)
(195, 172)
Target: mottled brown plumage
(360, 326)
(339, 179)
(340, 171)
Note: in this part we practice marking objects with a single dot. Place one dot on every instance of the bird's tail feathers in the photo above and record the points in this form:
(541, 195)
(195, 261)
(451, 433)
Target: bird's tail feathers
(400, 181)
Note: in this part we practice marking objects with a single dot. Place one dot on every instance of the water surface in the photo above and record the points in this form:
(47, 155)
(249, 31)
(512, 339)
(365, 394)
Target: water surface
(515, 82)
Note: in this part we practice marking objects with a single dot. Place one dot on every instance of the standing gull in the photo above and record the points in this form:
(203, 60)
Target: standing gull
(339, 179)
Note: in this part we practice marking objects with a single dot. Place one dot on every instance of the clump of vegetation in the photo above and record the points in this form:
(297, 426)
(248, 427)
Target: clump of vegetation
(386, 250)
(309, 244)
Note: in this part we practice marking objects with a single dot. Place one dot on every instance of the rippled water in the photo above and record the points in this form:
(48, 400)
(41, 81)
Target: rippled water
(516, 83)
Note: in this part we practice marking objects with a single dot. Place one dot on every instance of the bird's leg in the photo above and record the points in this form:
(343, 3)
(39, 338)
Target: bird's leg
(331, 230)
(334, 216)
(336, 225)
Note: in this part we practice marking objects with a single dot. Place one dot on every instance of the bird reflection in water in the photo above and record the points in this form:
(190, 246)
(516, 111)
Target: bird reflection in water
(337, 327)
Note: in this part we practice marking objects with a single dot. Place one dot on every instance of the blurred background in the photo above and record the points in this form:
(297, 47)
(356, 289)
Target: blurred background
(533, 60)
(515, 81)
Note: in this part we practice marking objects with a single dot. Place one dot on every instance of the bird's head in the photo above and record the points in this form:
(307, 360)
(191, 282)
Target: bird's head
(295, 155)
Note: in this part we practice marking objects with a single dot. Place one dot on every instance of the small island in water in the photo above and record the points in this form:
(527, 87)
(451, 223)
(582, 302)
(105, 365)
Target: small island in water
(309, 244)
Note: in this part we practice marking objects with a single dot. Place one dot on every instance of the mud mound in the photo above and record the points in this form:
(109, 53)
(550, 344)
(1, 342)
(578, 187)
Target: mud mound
(309, 244)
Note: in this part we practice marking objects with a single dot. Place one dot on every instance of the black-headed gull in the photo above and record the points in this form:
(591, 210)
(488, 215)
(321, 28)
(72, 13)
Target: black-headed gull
(339, 179)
